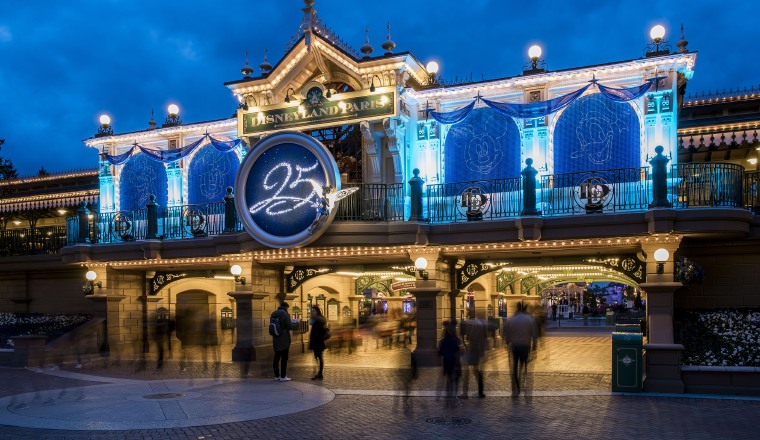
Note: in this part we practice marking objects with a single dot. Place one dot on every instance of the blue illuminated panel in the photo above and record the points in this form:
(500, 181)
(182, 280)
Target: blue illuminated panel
(141, 177)
(486, 145)
(595, 133)
(210, 173)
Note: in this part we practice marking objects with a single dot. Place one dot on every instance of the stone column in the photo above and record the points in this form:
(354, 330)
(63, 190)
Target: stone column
(107, 307)
(429, 301)
(243, 350)
(454, 298)
(662, 356)
(512, 301)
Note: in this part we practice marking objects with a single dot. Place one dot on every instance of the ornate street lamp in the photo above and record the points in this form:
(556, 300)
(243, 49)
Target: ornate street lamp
(172, 119)
(537, 65)
(89, 286)
(658, 46)
(236, 270)
(105, 128)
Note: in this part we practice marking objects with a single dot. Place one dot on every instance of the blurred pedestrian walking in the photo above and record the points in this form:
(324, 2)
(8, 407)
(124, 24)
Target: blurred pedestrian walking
(317, 338)
(521, 336)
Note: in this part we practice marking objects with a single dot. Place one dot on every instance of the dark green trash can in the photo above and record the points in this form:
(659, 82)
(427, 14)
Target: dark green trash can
(627, 362)
(627, 328)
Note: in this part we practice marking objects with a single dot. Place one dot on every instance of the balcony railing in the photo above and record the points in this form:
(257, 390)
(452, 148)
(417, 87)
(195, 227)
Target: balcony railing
(32, 241)
(593, 192)
(473, 200)
(684, 186)
(699, 185)
(372, 202)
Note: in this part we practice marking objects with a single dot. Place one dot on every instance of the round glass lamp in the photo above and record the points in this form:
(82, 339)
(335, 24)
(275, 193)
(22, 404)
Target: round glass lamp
(534, 52)
(173, 109)
(657, 32)
(236, 270)
(91, 275)
(661, 255)
(420, 263)
(105, 120)
(432, 67)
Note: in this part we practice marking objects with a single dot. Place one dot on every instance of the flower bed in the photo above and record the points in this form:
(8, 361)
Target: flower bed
(727, 337)
(51, 325)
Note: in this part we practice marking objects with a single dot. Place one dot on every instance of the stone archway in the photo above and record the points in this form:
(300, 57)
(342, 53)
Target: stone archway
(196, 318)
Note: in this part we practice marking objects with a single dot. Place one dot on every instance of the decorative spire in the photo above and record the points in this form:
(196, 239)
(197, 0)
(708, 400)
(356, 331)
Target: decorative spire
(265, 66)
(246, 70)
(388, 44)
(152, 122)
(367, 49)
(682, 43)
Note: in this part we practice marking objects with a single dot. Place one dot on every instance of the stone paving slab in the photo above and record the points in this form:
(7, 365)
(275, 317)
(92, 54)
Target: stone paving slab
(162, 404)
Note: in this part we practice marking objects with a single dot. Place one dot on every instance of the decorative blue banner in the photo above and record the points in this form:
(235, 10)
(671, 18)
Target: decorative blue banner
(627, 94)
(174, 154)
(454, 116)
(536, 109)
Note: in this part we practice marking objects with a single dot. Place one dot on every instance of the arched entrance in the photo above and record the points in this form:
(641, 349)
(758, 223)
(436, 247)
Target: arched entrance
(196, 318)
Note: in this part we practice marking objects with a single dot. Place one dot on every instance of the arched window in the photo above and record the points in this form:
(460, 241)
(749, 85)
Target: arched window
(210, 173)
(141, 177)
(594, 134)
(486, 145)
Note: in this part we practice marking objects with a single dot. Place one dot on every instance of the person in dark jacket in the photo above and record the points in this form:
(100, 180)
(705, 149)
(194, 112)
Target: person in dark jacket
(281, 343)
(317, 338)
(448, 349)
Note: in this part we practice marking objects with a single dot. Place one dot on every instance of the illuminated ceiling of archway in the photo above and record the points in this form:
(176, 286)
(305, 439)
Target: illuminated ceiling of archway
(561, 274)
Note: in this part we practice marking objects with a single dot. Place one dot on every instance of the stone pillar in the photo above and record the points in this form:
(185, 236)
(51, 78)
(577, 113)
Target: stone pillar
(415, 194)
(662, 356)
(512, 301)
(244, 350)
(659, 179)
(107, 307)
(230, 216)
(454, 298)
(529, 189)
(429, 301)
(84, 223)
(152, 214)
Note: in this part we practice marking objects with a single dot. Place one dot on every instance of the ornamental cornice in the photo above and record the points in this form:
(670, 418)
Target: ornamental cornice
(56, 196)
(159, 134)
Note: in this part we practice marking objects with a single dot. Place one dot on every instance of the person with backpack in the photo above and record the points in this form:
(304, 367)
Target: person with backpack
(317, 337)
(280, 326)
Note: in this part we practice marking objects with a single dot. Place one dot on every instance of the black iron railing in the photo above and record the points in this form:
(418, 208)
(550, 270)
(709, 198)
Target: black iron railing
(751, 185)
(189, 221)
(32, 241)
(473, 200)
(699, 185)
(593, 192)
(372, 202)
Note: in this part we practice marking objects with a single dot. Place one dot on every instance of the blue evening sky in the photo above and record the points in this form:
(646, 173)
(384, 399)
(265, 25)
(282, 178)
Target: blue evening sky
(63, 63)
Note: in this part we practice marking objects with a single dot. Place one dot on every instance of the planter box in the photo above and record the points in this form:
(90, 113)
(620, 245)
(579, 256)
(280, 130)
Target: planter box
(743, 381)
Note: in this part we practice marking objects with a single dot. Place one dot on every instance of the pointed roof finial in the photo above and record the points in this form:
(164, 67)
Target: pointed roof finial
(682, 43)
(388, 44)
(265, 66)
(152, 122)
(367, 49)
(246, 70)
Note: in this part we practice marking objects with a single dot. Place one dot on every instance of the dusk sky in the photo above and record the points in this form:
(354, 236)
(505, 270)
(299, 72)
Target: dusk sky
(63, 63)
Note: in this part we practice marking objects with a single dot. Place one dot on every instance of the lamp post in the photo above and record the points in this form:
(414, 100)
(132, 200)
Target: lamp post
(287, 94)
(105, 128)
(89, 286)
(661, 256)
(173, 119)
(421, 264)
(658, 46)
(432, 70)
(236, 270)
(537, 65)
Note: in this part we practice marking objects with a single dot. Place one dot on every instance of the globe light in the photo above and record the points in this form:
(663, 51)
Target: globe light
(91, 275)
(534, 52)
(173, 109)
(420, 263)
(105, 120)
(657, 32)
(236, 270)
(432, 67)
(661, 255)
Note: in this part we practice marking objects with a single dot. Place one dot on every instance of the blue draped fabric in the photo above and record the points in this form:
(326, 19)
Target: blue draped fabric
(119, 158)
(140, 178)
(174, 154)
(224, 146)
(627, 94)
(454, 116)
(535, 109)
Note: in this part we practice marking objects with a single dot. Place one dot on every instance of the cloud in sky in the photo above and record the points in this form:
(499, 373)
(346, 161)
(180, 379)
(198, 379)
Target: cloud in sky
(64, 63)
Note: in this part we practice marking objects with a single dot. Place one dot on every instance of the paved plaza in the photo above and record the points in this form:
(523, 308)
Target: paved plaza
(367, 394)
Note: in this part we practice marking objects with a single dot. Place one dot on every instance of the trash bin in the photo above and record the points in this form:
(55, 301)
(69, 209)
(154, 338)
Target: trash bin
(609, 318)
(627, 362)
(627, 328)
